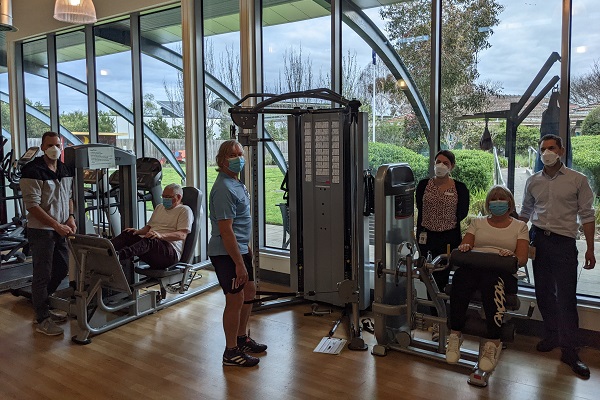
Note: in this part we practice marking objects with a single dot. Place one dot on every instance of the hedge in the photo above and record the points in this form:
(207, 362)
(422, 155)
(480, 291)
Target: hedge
(381, 153)
(586, 158)
(473, 167)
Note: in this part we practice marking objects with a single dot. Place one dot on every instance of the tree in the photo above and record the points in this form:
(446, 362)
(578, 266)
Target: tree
(591, 123)
(467, 27)
(585, 89)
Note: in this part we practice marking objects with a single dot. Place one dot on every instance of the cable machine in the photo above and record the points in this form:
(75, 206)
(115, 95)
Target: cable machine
(327, 157)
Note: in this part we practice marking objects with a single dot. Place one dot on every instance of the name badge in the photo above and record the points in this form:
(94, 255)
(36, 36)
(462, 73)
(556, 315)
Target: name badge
(423, 238)
(449, 193)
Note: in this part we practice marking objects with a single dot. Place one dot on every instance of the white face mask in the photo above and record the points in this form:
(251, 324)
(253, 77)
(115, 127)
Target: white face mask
(441, 170)
(549, 158)
(52, 152)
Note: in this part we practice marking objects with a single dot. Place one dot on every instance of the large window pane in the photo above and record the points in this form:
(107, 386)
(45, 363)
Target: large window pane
(585, 119)
(72, 98)
(113, 75)
(162, 86)
(37, 94)
(296, 57)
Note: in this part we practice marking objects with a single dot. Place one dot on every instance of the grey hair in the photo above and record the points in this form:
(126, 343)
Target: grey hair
(177, 189)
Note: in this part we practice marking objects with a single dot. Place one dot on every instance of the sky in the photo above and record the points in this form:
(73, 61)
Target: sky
(529, 31)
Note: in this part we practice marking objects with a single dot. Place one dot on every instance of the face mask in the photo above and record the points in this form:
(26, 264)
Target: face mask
(52, 152)
(167, 202)
(441, 170)
(498, 207)
(549, 158)
(236, 164)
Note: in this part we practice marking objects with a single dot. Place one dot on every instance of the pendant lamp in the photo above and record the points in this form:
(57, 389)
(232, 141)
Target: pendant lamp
(75, 11)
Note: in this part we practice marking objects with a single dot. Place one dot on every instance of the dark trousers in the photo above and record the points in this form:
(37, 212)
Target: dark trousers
(492, 285)
(157, 253)
(50, 266)
(555, 274)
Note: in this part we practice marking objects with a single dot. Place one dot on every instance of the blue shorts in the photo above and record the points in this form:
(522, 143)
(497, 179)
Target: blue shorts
(225, 269)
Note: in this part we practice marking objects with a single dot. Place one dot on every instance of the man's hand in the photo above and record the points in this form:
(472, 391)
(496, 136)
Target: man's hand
(63, 229)
(464, 247)
(130, 230)
(241, 274)
(153, 235)
(590, 259)
(71, 224)
(505, 253)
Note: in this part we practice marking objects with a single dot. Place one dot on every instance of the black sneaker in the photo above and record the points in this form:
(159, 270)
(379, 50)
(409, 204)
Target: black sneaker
(249, 345)
(238, 358)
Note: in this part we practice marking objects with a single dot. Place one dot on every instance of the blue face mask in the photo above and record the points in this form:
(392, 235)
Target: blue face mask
(167, 202)
(498, 207)
(236, 164)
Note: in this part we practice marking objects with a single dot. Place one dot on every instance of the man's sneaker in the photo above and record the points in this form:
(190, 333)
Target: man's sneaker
(453, 348)
(489, 356)
(57, 316)
(238, 358)
(48, 327)
(249, 345)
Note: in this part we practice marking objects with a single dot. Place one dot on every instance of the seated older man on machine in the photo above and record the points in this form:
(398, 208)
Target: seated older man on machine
(160, 242)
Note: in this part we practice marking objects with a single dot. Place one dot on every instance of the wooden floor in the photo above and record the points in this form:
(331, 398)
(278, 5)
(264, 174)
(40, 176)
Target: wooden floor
(176, 354)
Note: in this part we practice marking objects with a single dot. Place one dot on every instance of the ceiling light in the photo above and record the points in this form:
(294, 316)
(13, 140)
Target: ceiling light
(75, 11)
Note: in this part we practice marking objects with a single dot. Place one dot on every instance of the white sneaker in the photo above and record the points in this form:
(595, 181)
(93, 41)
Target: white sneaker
(453, 348)
(489, 356)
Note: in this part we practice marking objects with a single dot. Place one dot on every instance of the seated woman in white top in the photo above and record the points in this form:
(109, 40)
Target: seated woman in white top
(499, 233)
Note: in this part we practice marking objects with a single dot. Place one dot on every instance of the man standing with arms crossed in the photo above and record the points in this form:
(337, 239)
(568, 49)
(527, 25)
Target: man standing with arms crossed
(554, 199)
(47, 187)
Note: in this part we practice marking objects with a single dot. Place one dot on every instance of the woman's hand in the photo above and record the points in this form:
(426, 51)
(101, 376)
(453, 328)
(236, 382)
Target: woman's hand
(505, 253)
(464, 247)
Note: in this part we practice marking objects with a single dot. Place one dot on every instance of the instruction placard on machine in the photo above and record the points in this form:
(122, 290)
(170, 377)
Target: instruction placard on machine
(101, 157)
(330, 345)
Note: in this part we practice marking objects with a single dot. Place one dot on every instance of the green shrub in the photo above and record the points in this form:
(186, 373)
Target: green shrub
(591, 123)
(475, 168)
(381, 153)
(586, 160)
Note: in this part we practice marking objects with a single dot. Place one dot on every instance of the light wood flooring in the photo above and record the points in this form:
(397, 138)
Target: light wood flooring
(176, 354)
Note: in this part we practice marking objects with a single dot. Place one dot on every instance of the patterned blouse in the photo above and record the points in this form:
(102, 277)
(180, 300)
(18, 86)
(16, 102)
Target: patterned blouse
(439, 209)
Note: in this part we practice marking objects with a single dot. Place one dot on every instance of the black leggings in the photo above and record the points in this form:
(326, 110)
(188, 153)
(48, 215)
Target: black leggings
(492, 285)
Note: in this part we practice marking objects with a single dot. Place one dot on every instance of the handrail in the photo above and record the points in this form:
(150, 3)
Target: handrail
(498, 178)
(531, 160)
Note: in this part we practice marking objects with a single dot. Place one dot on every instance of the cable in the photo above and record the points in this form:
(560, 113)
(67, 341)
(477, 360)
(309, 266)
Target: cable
(369, 190)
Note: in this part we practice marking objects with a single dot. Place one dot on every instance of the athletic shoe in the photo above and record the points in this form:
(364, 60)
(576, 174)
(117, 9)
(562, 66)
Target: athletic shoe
(249, 345)
(238, 358)
(453, 348)
(56, 316)
(489, 356)
(48, 327)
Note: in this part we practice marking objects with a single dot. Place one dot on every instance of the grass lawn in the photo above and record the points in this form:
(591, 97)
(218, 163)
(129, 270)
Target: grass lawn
(273, 193)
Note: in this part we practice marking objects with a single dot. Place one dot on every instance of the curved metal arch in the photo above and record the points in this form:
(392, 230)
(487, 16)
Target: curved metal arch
(175, 60)
(111, 103)
(37, 114)
(360, 23)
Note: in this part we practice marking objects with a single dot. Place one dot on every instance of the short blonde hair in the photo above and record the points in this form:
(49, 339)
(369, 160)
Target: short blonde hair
(224, 150)
(502, 193)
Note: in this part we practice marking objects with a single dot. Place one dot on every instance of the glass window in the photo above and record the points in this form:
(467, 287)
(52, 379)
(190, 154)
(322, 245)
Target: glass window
(114, 80)
(222, 78)
(37, 94)
(585, 120)
(72, 97)
(162, 86)
(296, 57)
